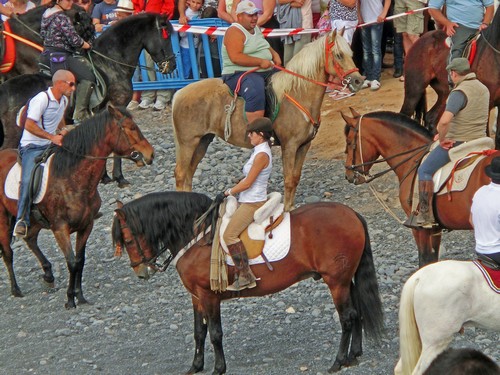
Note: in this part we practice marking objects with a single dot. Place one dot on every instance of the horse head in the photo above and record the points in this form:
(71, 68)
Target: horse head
(140, 254)
(130, 140)
(159, 44)
(357, 150)
(339, 63)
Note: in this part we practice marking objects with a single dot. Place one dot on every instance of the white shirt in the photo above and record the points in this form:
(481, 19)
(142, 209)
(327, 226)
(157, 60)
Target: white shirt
(486, 218)
(52, 114)
(258, 191)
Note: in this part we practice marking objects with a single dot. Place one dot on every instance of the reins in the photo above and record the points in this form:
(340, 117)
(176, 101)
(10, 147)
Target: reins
(411, 154)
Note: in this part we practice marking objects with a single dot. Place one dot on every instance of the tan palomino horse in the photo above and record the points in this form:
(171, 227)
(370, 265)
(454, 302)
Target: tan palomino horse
(198, 111)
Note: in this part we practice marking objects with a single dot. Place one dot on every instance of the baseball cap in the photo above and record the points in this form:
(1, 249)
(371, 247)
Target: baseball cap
(246, 6)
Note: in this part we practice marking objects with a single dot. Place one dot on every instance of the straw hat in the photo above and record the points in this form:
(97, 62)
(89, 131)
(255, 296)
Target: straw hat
(125, 6)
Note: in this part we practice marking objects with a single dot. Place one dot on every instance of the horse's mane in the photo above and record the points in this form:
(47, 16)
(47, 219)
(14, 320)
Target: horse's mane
(129, 27)
(79, 142)
(492, 34)
(164, 219)
(307, 62)
(401, 120)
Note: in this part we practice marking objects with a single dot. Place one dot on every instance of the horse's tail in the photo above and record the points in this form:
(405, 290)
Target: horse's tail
(409, 338)
(366, 296)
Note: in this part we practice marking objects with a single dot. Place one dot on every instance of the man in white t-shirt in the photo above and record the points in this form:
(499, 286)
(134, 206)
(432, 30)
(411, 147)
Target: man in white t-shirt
(45, 117)
(485, 214)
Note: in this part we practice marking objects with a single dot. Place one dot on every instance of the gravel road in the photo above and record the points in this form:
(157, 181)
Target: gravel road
(136, 327)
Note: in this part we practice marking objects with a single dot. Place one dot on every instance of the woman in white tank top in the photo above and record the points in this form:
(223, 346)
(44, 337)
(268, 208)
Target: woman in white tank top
(252, 195)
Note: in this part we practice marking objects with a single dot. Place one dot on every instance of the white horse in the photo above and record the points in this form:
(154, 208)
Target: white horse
(436, 302)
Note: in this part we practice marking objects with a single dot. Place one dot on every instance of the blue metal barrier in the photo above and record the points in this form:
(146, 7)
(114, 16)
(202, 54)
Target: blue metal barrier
(175, 80)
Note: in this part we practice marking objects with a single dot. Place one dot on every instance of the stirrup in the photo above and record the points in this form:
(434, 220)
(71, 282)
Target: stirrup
(20, 232)
(236, 287)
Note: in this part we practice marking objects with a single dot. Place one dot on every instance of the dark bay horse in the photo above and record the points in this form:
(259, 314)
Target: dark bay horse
(402, 143)
(329, 241)
(72, 200)
(196, 122)
(27, 26)
(115, 55)
(426, 65)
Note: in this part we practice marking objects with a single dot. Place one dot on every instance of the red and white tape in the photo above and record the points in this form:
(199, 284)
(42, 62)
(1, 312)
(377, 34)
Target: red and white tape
(219, 31)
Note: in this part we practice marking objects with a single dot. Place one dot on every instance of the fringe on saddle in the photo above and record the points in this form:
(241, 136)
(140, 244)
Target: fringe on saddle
(218, 267)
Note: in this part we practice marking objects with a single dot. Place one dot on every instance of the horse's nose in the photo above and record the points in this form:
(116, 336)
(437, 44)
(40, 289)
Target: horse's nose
(357, 82)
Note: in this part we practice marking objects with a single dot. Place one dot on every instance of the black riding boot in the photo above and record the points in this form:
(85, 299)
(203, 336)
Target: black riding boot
(245, 277)
(83, 92)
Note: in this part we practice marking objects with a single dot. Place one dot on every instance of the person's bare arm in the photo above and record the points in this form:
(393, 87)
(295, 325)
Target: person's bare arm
(233, 40)
(488, 16)
(267, 12)
(37, 131)
(439, 17)
(222, 12)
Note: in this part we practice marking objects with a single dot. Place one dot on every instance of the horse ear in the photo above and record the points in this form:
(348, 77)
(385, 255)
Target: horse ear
(341, 32)
(346, 118)
(119, 204)
(332, 35)
(354, 112)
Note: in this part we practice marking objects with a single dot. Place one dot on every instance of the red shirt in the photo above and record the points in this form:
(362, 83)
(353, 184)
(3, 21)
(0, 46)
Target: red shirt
(154, 6)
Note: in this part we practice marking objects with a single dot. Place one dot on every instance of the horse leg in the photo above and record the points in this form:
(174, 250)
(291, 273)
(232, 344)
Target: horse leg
(212, 307)
(80, 246)
(442, 90)
(7, 253)
(63, 239)
(293, 160)
(347, 315)
(428, 243)
(200, 334)
(187, 159)
(32, 242)
(117, 173)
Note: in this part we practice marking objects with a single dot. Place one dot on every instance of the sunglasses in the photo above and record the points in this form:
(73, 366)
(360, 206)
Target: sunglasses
(70, 84)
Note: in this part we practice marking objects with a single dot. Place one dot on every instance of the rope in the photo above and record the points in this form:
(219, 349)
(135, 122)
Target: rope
(384, 205)
(23, 40)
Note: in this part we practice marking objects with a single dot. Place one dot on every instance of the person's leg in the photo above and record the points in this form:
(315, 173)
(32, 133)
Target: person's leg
(398, 55)
(186, 62)
(253, 91)
(459, 41)
(367, 58)
(240, 220)
(376, 40)
(148, 96)
(28, 155)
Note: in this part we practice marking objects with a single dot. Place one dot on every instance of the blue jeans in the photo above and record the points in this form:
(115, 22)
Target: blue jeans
(398, 51)
(436, 159)
(371, 38)
(28, 155)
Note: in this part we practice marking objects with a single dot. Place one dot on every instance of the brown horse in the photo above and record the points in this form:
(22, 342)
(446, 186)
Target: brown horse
(329, 241)
(196, 121)
(402, 143)
(426, 65)
(72, 201)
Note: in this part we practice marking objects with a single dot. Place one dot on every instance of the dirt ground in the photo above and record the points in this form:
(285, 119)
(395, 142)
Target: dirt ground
(330, 141)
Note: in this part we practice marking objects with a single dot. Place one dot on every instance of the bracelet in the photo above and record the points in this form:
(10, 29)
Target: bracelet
(484, 23)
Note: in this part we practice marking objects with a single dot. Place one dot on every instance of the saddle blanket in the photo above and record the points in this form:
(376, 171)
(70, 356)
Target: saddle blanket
(492, 277)
(13, 180)
(275, 248)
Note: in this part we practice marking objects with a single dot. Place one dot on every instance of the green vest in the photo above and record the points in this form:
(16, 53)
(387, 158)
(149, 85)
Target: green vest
(255, 46)
(471, 122)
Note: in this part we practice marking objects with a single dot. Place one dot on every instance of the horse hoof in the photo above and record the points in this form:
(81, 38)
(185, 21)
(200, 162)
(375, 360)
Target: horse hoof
(335, 368)
(106, 179)
(122, 182)
(16, 292)
(48, 282)
(194, 370)
(70, 305)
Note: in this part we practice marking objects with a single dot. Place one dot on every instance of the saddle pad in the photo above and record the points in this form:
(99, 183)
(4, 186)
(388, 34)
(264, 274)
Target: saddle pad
(492, 277)
(460, 176)
(13, 180)
(275, 248)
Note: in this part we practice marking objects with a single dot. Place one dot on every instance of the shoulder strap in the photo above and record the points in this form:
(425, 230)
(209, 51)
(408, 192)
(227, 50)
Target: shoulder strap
(48, 102)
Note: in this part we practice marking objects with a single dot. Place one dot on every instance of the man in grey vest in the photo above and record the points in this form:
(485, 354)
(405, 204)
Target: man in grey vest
(465, 118)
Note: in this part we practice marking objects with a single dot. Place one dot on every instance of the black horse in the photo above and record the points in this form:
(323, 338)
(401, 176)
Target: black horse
(27, 26)
(115, 55)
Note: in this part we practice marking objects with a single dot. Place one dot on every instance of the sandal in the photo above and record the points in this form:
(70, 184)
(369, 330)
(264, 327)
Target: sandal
(339, 95)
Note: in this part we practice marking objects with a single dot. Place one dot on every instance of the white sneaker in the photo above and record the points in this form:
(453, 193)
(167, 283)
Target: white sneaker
(145, 104)
(159, 106)
(133, 105)
(366, 84)
(375, 85)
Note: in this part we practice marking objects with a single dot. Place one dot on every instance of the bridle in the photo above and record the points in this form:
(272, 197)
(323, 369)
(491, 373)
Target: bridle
(151, 261)
(336, 66)
(355, 168)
